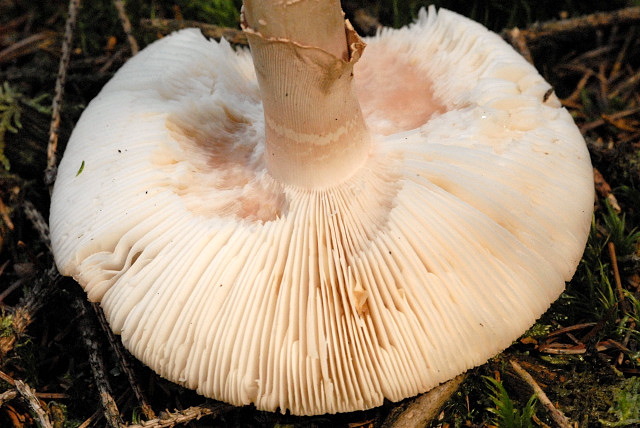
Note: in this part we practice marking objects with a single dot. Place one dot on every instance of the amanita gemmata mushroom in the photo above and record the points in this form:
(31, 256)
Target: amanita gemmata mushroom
(313, 226)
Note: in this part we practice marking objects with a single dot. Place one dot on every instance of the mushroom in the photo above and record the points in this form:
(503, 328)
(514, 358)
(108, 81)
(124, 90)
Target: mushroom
(314, 228)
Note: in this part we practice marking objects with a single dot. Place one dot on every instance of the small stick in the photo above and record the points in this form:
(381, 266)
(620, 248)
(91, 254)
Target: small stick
(169, 419)
(5, 377)
(557, 416)
(604, 83)
(8, 396)
(52, 147)
(519, 43)
(625, 342)
(109, 405)
(43, 395)
(424, 408)
(627, 86)
(13, 24)
(34, 404)
(52, 395)
(566, 349)
(10, 289)
(28, 306)
(612, 117)
(44, 284)
(126, 25)
(575, 95)
(4, 213)
(37, 221)
(599, 326)
(366, 22)
(116, 345)
(109, 62)
(622, 303)
(617, 65)
(25, 46)
(574, 327)
(580, 24)
(90, 420)
(604, 190)
(166, 26)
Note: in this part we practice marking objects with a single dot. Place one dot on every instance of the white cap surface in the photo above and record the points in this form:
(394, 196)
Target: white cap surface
(470, 214)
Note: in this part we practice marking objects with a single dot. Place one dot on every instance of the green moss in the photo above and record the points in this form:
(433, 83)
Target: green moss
(218, 12)
(505, 413)
(12, 102)
(10, 112)
(6, 326)
(625, 410)
(586, 392)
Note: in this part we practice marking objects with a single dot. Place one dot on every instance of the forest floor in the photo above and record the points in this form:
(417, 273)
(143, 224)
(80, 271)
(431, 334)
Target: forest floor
(60, 367)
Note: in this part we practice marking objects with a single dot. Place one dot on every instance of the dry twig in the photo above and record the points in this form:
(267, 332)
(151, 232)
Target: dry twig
(610, 119)
(117, 347)
(580, 24)
(166, 26)
(526, 40)
(34, 404)
(126, 26)
(26, 46)
(169, 419)
(557, 416)
(516, 39)
(367, 23)
(88, 422)
(52, 147)
(10, 289)
(8, 396)
(622, 303)
(40, 288)
(424, 408)
(109, 405)
(604, 190)
(37, 221)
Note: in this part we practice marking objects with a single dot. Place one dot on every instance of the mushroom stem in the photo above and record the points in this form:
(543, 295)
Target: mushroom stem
(304, 53)
(318, 23)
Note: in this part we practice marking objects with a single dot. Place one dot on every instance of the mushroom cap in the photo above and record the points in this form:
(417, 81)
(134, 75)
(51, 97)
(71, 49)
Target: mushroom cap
(469, 215)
